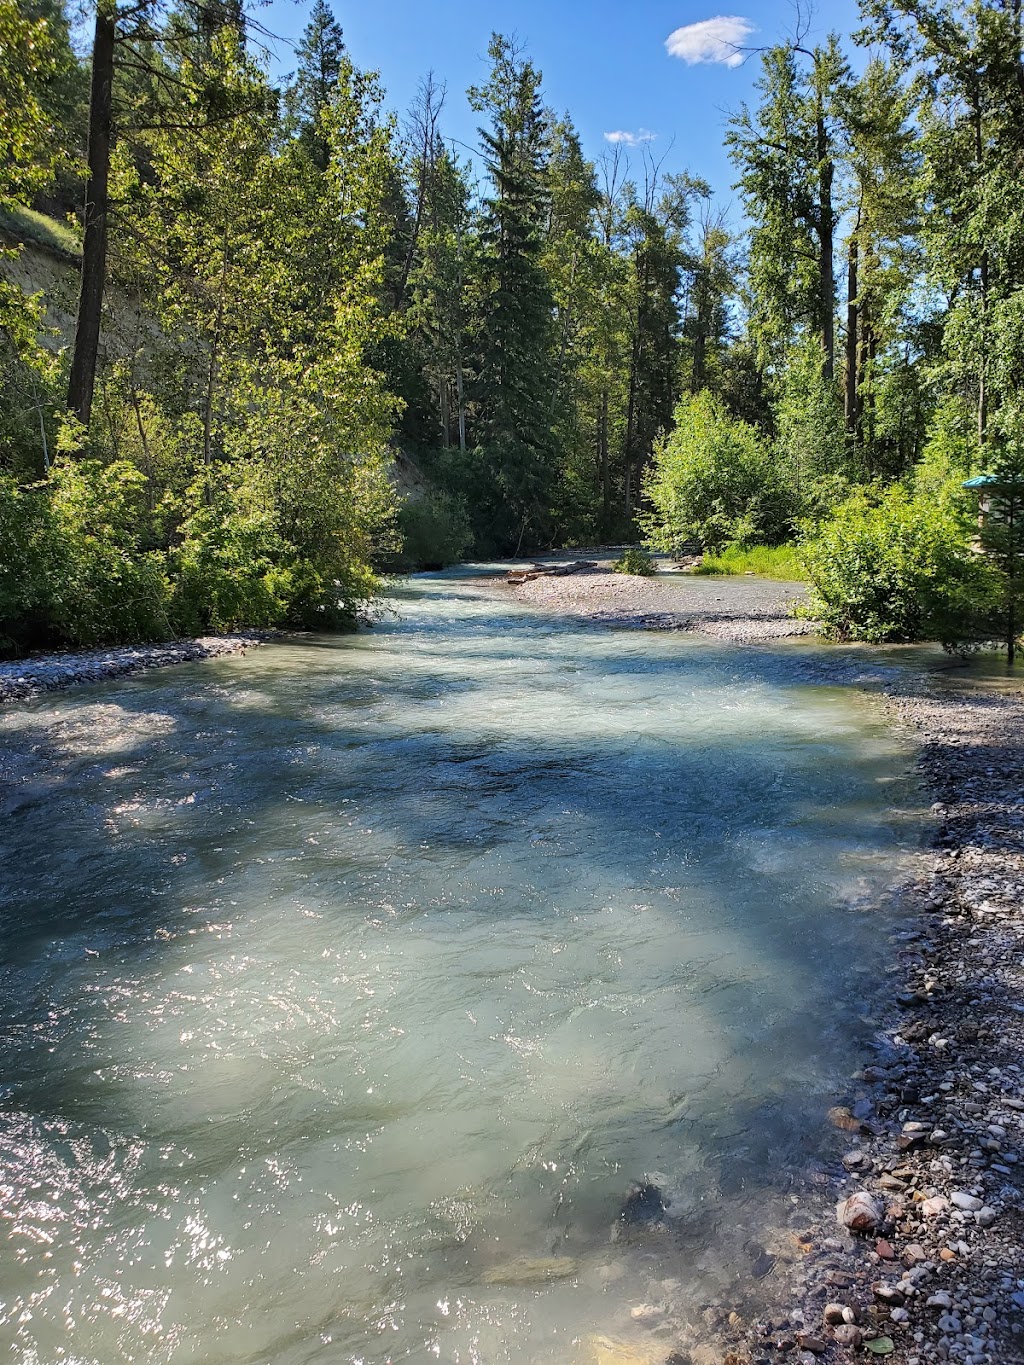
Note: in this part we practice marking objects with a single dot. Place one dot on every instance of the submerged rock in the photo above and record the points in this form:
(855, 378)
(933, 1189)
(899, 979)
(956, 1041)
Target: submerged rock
(603, 1350)
(531, 1270)
(644, 1204)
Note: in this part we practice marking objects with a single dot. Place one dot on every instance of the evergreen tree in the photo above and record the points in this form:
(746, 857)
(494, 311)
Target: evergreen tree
(516, 366)
(310, 90)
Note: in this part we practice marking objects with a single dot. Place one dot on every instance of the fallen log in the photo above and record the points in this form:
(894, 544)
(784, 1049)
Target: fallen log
(517, 576)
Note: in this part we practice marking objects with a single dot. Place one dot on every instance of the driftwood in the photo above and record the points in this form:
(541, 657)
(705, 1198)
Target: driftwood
(517, 576)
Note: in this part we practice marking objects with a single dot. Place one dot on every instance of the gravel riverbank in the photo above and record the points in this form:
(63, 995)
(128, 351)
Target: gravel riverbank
(743, 609)
(26, 678)
(923, 1258)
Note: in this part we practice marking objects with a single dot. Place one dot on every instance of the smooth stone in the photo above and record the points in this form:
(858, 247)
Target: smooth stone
(968, 1202)
(860, 1212)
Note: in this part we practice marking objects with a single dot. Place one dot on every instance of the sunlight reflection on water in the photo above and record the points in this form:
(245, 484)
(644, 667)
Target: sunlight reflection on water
(348, 986)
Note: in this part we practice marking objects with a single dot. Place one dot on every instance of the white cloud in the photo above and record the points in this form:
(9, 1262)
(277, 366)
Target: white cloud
(631, 139)
(711, 40)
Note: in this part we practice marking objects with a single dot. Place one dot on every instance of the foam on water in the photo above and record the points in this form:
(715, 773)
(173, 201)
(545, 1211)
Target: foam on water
(348, 986)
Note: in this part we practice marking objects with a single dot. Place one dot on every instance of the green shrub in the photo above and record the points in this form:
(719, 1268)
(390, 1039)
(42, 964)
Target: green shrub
(24, 582)
(73, 567)
(713, 480)
(889, 566)
(435, 531)
(769, 561)
(104, 586)
(227, 568)
(635, 561)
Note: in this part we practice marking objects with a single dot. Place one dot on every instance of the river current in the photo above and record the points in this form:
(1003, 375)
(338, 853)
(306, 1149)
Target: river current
(348, 988)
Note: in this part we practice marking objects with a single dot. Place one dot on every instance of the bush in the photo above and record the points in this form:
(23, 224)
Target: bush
(435, 531)
(635, 561)
(104, 586)
(713, 480)
(226, 572)
(73, 570)
(769, 561)
(24, 580)
(889, 566)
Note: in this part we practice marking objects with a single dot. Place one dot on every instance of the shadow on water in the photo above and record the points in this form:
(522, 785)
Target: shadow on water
(424, 832)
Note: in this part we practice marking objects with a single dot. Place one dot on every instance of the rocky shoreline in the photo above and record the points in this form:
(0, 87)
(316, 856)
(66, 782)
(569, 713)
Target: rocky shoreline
(924, 1258)
(742, 609)
(23, 679)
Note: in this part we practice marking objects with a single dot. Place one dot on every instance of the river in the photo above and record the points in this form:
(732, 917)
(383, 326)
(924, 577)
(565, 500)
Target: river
(348, 988)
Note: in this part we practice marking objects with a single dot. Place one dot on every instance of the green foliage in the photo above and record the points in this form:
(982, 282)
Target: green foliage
(435, 531)
(713, 480)
(635, 561)
(74, 569)
(889, 566)
(230, 568)
(515, 442)
(810, 441)
(293, 277)
(1001, 533)
(767, 561)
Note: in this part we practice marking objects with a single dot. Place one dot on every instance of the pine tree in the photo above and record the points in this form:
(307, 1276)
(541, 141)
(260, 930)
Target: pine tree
(516, 365)
(309, 92)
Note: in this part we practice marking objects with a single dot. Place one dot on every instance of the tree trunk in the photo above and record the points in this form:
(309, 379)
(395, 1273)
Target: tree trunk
(606, 487)
(702, 321)
(852, 329)
(826, 245)
(446, 417)
(82, 383)
(212, 373)
(979, 153)
(634, 370)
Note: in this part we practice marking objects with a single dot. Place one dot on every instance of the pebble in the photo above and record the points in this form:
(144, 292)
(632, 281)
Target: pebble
(937, 1204)
(848, 1335)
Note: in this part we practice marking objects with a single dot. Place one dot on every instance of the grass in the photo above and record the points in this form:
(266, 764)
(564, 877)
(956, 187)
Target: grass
(28, 226)
(768, 561)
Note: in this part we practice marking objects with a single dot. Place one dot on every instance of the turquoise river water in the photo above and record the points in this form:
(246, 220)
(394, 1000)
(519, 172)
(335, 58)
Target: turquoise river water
(348, 987)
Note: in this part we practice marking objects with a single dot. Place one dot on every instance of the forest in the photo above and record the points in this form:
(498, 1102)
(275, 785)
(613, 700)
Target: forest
(282, 290)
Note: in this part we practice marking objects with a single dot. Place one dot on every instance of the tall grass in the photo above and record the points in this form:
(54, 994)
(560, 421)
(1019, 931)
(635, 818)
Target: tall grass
(25, 225)
(768, 561)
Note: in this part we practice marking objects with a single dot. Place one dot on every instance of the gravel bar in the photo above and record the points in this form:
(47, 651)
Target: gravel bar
(744, 609)
(23, 679)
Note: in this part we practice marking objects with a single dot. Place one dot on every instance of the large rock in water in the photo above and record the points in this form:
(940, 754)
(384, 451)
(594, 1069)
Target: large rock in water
(644, 1204)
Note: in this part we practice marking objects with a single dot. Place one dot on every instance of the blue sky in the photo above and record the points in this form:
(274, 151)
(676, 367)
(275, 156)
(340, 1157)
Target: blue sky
(604, 62)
